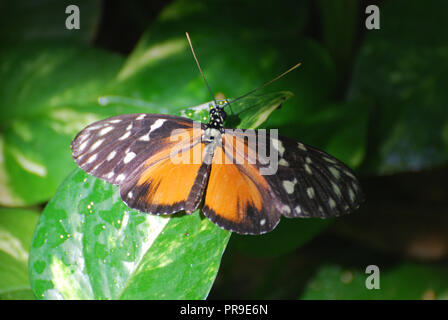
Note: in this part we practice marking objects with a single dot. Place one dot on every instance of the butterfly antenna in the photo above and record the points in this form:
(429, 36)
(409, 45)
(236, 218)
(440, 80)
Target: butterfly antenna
(267, 83)
(200, 69)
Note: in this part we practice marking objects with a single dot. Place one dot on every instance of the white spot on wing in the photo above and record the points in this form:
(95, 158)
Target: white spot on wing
(111, 155)
(310, 192)
(336, 189)
(83, 137)
(278, 145)
(96, 144)
(106, 130)
(286, 209)
(129, 157)
(120, 177)
(335, 172)
(351, 194)
(126, 135)
(289, 186)
(92, 158)
(329, 160)
(349, 174)
(94, 127)
(83, 145)
(308, 169)
(145, 137)
(283, 162)
(157, 124)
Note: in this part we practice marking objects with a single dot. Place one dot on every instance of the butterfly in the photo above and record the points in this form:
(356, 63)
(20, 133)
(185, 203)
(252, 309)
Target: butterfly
(164, 164)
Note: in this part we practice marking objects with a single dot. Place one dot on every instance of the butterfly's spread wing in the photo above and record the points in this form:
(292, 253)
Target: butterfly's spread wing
(311, 183)
(306, 182)
(238, 198)
(134, 151)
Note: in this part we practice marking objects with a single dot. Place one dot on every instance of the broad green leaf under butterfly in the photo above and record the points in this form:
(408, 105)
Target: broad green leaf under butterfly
(16, 231)
(247, 113)
(89, 245)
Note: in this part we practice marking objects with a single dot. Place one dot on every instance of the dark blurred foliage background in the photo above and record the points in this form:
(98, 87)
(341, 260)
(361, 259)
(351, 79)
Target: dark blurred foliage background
(376, 99)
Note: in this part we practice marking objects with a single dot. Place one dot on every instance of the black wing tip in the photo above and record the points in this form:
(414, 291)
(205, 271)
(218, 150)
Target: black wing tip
(254, 226)
(133, 198)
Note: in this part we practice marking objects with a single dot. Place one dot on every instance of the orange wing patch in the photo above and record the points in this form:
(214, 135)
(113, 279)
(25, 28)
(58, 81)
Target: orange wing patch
(163, 184)
(168, 182)
(238, 197)
(230, 191)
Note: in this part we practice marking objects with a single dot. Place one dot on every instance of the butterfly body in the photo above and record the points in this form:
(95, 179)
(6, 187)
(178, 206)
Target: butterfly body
(165, 164)
(217, 115)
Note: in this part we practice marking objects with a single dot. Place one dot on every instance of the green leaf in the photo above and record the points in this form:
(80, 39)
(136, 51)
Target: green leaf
(50, 93)
(405, 281)
(339, 23)
(37, 20)
(289, 235)
(332, 129)
(89, 245)
(247, 113)
(16, 231)
(48, 75)
(252, 111)
(162, 70)
(401, 71)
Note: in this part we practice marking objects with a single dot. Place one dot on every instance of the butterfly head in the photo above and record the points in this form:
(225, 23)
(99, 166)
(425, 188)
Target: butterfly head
(217, 115)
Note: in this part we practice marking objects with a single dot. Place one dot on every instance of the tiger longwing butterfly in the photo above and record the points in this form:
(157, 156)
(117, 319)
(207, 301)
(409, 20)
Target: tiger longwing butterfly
(135, 151)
